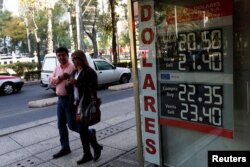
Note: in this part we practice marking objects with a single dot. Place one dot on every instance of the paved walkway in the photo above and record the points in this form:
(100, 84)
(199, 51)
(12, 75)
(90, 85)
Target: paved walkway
(33, 144)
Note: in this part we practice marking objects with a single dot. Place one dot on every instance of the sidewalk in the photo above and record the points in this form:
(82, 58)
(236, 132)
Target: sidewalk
(33, 144)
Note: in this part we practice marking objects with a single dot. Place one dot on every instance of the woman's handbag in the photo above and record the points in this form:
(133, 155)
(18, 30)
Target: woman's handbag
(91, 115)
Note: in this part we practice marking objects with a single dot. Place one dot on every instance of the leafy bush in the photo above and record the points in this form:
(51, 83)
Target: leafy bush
(32, 75)
(21, 67)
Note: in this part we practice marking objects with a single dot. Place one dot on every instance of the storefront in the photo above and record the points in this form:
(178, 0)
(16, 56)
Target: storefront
(193, 90)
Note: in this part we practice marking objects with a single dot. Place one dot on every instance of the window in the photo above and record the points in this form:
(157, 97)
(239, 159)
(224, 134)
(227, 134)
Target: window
(102, 65)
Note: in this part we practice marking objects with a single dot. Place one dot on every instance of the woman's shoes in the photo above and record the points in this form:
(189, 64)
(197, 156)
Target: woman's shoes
(97, 152)
(87, 158)
(84, 159)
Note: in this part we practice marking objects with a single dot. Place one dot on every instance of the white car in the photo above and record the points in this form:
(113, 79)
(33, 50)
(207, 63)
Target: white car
(106, 71)
(10, 84)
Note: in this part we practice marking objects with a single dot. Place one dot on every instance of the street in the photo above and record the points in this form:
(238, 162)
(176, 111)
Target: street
(14, 109)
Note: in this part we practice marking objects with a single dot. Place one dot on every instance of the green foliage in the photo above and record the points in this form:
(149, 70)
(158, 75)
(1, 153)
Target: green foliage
(16, 32)
(60, 28)
(4, 18)
(21, 67)
(124, 39)
(41, 22)
(13, 28)
(89, 18)
(32, 75)
(104, 24)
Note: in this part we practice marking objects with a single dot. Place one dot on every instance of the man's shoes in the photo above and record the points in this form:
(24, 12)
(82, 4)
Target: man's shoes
(61, 153)
(97, 152)
(84, 159)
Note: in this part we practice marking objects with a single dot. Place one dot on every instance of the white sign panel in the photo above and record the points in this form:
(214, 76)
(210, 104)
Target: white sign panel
(149, 104)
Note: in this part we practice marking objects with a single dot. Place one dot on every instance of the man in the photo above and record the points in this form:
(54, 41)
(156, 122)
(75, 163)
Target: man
(64, 115)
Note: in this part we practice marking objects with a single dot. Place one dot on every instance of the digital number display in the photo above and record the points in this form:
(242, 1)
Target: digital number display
(192, 51)
(193, 102)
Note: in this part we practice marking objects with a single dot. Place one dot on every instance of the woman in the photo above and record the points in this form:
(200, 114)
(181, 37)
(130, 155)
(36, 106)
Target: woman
(84, 83)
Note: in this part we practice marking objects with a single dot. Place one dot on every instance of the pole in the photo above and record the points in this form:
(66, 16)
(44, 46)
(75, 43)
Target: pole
(135, 82)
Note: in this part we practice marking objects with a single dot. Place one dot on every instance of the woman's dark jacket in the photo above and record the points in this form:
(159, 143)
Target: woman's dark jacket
(86, 84)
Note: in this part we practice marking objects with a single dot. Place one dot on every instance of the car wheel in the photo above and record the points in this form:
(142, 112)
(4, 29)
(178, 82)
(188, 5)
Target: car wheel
(124, 79)
(8, 88)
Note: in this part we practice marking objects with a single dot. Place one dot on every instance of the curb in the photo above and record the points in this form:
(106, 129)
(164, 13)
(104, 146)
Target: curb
(43, 102)
(26, 83)
(24, 126)
(53, 100)
(121, 87)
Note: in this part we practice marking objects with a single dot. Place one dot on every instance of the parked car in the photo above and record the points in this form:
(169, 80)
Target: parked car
(10, 84)
(106, 71)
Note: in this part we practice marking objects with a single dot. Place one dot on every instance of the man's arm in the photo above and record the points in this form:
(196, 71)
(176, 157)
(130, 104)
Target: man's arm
(54, 79)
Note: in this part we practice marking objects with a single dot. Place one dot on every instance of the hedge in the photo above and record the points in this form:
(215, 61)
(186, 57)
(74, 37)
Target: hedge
(26, 69)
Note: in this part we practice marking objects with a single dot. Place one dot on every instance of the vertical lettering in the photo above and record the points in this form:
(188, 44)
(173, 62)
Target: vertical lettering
(146, 13)
(148, 82)
(149, 102)
(150, 38)
(149, 125)
(144, 60)
(150, 146)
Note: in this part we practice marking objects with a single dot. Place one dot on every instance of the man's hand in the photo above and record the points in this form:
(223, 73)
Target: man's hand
(71, 81)
(64, 76)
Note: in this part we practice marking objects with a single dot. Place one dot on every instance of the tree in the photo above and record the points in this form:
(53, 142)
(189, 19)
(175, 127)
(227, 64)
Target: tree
(16, 32)
(124, 39)
(72, 22)
(4, 17)
(113, 4)
(104, 26)
(12, 33)
(28, 9)
(60, 26)
(89, 19)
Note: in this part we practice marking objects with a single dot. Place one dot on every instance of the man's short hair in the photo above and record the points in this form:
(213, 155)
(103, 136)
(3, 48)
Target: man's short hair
(62, 49)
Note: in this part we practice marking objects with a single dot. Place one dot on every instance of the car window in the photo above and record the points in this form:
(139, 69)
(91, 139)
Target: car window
(102, 65)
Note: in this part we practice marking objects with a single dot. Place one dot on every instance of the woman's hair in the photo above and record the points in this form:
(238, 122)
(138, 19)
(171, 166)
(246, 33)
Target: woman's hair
(81, 56)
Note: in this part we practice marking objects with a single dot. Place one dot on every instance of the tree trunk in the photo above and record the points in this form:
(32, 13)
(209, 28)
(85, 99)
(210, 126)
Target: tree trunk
(50, 37)
(95, 46)
(114, 30)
